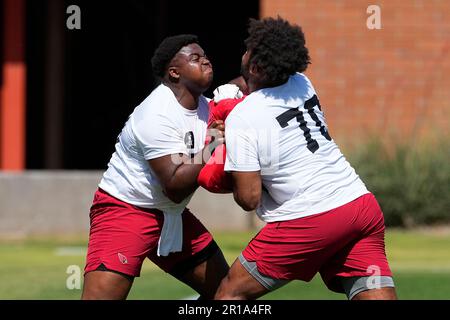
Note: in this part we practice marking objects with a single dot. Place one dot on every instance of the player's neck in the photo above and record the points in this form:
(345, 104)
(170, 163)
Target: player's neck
(184, 97)
(255, 85)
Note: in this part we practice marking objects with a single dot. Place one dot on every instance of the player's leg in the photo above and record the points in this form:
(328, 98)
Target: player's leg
(205, 271)
(377, 294)
(106, 285)
(362, 288)
(368, 288)
(120, 237)
(245, 282)
(201, 264)
(360, 269)
(280, 252)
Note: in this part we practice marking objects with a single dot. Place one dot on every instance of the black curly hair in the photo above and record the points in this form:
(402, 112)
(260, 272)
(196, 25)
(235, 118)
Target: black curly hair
(277, 48)
(168, 49)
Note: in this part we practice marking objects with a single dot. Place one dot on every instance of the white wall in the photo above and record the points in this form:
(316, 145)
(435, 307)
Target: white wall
(45, 202)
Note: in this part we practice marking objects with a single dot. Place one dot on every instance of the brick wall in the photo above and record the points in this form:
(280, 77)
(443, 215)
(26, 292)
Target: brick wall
(393, 82)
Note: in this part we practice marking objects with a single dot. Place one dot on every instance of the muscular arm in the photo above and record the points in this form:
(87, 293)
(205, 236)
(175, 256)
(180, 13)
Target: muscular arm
(178, 180)
(247, 189)
(178, 173)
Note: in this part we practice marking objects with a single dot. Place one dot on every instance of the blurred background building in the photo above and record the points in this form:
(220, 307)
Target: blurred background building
(66, 93)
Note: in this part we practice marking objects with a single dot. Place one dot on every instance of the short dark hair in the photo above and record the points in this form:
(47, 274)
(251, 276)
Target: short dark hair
(278, 48)
(167, 49)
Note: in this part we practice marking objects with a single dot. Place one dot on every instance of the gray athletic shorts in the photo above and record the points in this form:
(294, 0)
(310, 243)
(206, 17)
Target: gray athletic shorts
(351, 285)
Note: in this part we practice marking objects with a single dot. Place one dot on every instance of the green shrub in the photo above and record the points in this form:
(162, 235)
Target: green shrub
(412, 184)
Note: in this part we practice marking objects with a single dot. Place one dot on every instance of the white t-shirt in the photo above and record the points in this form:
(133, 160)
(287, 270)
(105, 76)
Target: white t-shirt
(282, 132)
(159, 126)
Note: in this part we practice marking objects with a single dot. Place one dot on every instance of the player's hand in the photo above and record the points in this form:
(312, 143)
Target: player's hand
(217, 132)
(218, 124)
(227, 91)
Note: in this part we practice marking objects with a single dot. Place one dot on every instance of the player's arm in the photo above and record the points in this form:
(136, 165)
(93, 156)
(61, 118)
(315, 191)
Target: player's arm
(178, 173)
(247, 189)
(242, 161)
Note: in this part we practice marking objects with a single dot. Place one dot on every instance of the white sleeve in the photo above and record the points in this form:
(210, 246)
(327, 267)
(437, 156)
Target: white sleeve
(159, 137)
(242, 145)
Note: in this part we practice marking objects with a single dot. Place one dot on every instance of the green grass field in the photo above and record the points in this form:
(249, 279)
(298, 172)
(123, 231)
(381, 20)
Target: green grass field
(36, 269)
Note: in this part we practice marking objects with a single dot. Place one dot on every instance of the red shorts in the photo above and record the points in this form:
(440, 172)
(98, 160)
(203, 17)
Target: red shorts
(344, 242)
(123, 235)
